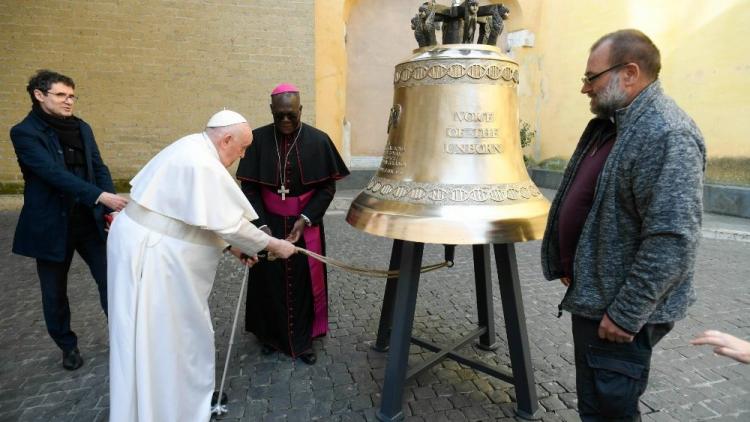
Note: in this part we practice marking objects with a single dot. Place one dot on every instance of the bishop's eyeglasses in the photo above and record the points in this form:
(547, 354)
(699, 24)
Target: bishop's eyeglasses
(280, 116)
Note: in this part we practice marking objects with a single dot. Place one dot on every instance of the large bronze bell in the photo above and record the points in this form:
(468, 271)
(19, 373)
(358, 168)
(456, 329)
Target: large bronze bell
(453, 170)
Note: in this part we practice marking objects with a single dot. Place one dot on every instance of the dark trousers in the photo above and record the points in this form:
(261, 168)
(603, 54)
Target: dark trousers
(53, 277)
(611, 377)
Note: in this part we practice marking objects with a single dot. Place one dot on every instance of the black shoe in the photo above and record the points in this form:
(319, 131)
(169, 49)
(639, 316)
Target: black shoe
(267, 349)
(309, 358)
(72, 360)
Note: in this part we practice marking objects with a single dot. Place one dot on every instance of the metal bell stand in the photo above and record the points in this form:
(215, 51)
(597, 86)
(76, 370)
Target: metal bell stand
(397, 319)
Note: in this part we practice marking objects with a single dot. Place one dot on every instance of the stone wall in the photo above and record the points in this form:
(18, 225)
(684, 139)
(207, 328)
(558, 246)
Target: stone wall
(149, 72)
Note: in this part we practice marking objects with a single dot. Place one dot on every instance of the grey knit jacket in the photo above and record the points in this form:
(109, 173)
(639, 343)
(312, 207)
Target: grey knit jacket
(636, 252)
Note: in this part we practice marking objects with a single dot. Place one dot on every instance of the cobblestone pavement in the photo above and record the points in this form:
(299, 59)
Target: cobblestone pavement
(688, 383)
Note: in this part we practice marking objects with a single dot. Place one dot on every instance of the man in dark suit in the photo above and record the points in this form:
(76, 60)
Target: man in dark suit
(67, 192)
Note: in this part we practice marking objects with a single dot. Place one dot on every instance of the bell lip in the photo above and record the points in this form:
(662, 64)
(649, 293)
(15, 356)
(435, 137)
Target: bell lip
(360, 216)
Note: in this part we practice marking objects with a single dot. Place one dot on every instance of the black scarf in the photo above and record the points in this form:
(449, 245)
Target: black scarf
(68, 131)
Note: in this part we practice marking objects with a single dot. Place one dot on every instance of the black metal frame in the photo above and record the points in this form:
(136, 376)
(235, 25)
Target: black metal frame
(399, 303)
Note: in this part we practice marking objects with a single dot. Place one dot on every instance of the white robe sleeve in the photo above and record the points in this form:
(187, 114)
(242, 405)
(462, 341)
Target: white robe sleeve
(245, 237)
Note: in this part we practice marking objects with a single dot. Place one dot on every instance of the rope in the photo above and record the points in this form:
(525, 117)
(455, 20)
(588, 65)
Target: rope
(364, 271)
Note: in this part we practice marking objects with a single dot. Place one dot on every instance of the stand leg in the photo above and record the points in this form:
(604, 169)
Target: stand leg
(386, 312)
(403, 317)
(483, 282)
(515, 326)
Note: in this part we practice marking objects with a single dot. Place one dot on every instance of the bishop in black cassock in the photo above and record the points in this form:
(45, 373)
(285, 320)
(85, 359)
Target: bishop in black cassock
(289, 176)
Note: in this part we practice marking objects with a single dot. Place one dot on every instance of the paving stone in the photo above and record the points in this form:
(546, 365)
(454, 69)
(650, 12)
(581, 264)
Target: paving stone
(552, 403)
(339, 406)
(422, 393)
(275, 416)
(11, 415)
(421, 407)
(88, 415)
(477, 397)
(345, 391)
(740, 403)
(693, 411)
(658, 417)
(280, 402)
(687, 382)
(360, 403)
(551, 417)
(553, 387)
(498, 396)
(733, 418)
(569, 415)
(455, 415)
(321, 410)
(476, 413)
(465, 387)
(443, 390)
(570, 400)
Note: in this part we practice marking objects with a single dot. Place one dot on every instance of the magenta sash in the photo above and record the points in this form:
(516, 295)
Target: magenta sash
(292, 206)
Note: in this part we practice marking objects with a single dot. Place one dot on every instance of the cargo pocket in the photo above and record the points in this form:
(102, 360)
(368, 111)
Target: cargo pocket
(618, 380)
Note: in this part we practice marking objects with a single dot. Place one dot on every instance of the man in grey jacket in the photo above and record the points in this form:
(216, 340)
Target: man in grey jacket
(624, 227)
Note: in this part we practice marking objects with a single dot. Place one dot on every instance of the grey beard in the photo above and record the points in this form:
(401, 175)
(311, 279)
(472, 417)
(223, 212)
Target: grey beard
(612, 98)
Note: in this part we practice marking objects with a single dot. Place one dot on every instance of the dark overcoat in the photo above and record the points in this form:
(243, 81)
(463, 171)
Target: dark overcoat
(50, 190)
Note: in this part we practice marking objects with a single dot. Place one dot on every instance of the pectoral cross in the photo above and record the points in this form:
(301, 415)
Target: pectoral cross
(283, 191)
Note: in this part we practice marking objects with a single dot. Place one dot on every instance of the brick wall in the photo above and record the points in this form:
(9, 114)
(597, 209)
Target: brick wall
(149, 72)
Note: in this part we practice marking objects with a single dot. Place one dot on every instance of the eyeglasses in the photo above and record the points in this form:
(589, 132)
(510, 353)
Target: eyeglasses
(63, 96)
(592, 78)
(280, 116)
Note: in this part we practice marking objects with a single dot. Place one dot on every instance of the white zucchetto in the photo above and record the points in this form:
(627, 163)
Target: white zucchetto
(225, 118)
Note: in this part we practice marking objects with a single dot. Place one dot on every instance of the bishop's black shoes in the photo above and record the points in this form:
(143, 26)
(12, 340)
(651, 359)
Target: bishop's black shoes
(72, 360)
(309, 358)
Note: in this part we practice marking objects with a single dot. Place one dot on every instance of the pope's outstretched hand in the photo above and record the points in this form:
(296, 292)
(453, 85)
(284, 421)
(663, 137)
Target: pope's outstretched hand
(281, 248)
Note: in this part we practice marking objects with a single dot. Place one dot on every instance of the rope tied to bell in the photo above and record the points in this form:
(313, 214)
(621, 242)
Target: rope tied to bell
(367, 272)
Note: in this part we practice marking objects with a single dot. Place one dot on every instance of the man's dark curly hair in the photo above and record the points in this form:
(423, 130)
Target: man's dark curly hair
(43, 81)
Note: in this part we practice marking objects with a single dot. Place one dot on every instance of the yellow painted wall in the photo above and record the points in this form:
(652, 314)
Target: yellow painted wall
(378, 37)
(330, 67)
(705, 65)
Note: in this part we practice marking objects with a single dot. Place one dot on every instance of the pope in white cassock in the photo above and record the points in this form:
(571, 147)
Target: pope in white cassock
(162, 254)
